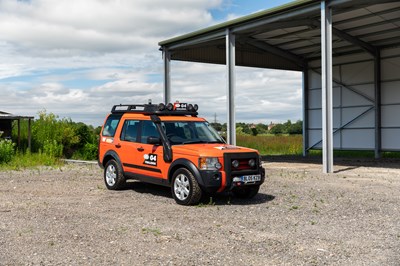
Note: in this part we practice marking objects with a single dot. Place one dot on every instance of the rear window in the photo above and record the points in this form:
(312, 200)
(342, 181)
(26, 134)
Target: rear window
(111, 125)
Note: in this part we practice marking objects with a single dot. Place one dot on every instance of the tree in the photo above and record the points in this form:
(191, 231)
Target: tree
(261, 128)
(296, 128)
(244, 128)
(278, 129)
(217, 126)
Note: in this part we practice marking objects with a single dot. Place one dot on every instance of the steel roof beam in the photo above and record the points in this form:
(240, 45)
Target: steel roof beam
(280, 17)
(359, 3)
(197, 40)
(379, 23)
(379, 13)
(277, 51)
(351, 39)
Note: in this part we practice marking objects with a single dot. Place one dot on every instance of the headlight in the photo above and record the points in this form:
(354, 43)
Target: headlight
(252, 163)
(209, 163)
(235, 163)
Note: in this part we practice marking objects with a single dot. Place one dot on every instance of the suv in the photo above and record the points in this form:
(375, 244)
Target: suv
(170, 146)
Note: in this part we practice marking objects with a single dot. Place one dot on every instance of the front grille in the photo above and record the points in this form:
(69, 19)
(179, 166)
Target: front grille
(243, 168)
(243, 165)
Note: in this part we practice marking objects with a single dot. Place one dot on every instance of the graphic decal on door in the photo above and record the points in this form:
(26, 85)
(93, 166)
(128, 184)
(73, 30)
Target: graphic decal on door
(150, 159)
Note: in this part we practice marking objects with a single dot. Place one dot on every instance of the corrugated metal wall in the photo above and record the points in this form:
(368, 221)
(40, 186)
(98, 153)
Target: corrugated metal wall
(353, 102)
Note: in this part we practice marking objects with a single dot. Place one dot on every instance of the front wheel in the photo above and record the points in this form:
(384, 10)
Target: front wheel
(246, 192)
(113, 176)
(185, 189)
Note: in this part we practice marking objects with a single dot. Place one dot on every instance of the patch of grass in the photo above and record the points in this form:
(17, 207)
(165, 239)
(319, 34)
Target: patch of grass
(30, 160)
(391, 154)
(273, 144)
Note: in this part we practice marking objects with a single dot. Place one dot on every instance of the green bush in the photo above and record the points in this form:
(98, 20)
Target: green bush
(55, 133)
(88, 152)
(52, 148)
(6, 150)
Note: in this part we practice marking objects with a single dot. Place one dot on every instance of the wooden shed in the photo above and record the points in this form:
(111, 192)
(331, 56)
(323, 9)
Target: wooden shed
(6, 120)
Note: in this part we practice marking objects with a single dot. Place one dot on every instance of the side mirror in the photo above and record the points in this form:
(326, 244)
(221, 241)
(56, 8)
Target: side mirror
(153, 140)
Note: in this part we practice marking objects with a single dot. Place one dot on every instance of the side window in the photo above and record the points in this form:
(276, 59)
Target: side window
(148, 130)
(111, 125)
(129, 131)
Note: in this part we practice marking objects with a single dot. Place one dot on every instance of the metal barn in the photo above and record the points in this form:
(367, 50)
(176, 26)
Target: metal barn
(348, 51)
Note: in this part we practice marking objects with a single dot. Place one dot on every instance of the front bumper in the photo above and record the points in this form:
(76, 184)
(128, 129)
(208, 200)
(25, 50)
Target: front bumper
(217, 181)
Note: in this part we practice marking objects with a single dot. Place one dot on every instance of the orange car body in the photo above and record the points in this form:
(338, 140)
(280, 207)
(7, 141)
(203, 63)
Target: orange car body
(156, 160)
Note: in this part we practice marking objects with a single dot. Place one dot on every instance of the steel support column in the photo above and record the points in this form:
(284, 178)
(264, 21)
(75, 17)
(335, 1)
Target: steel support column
(327, 102)
(167, 75)
(230, 80)
(305, 111)
(377, 73)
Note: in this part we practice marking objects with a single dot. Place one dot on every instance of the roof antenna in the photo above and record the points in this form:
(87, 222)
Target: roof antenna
(149, 101)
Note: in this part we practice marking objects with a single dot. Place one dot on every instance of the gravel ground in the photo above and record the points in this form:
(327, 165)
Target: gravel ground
(300, 217)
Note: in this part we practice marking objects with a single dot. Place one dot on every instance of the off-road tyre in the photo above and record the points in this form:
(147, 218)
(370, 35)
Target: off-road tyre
(113, 176)
(185, 189)
(246, 192)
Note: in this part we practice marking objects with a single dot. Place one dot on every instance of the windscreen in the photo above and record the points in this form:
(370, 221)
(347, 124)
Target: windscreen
(186, 132)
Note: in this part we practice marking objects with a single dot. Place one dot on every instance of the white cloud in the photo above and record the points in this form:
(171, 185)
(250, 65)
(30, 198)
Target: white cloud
(78, 58)
(98, 26)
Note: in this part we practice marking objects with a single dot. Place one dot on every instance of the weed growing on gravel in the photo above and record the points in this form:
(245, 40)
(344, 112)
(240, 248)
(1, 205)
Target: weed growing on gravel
(25, 231)
(155, 232)
(315, 209)
(295, 207)
(123, 230)
(210, 203)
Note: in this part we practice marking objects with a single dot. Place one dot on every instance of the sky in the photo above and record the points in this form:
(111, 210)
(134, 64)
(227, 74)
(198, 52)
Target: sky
(77, 59)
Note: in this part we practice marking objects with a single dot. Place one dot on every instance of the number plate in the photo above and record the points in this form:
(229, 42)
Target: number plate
(248, 178)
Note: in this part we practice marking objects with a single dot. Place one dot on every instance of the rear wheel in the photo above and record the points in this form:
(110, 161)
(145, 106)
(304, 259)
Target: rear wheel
(246, 192)
(113, 177)
(185, 189)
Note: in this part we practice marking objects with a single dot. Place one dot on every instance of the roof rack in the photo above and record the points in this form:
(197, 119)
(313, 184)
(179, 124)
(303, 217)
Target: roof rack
(157, 109)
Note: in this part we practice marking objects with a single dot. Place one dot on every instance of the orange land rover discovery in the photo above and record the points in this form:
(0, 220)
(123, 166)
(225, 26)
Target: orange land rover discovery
(170, 146)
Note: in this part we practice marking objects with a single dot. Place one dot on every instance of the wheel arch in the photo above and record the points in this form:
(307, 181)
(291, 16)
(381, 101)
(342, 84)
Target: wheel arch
(185, 163)
(109, 155)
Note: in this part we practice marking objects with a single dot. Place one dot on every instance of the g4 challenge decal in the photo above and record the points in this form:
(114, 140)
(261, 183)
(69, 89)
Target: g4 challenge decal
(150, 159)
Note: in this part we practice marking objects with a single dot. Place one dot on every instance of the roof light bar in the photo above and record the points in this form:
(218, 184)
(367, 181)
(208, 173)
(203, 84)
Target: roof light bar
(176, 108)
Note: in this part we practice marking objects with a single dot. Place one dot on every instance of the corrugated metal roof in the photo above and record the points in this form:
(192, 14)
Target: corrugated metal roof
(237, 21)
(288, 36)
(8, 116)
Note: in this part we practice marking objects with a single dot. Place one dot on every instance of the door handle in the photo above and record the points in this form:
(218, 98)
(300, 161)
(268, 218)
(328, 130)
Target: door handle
(118, 145)
(140, 148)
